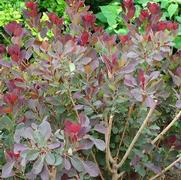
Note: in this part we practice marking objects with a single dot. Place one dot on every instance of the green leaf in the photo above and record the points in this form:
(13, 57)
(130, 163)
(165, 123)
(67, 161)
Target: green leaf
(50, 158)
(39, 138)
(6, 123)
(164, 3)
(121, 31)
(72, 67)
(101, 17)
(77, 164)
(111, 13)
(32, 155)
(115, 130)
(178, 42)
(38, 165)
(140, 170)
(172, 9)
(138, 9)
(58, 160)
(178, 18)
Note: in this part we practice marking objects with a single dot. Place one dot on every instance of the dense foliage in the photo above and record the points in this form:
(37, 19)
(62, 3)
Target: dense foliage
(109, 15)
(76, 102)
(56, 6)
(10, 10)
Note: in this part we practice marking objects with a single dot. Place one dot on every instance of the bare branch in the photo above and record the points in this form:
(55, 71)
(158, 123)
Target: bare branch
(109, 157)
(137, 136)
(95, 160)
(166, 169)
(167, 128)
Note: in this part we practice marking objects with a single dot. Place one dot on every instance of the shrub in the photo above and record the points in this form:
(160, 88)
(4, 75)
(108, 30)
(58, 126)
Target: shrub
(10, 11)
(62, 95)
(114, 24)
(56, 6)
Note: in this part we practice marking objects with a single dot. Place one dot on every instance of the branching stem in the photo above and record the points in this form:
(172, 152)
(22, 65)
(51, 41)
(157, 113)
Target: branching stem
(167, 128)
(166, 169)
(136, 136)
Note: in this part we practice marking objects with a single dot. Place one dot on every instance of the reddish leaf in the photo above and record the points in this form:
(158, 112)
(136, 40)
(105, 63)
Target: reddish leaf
(154, 8)
(144, 15)
(84, 38)
(10, 98)
(141, 78)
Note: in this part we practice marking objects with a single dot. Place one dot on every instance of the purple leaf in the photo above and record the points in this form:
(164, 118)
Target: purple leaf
(84, 120)
(98, 104)
(57, 47)
(153, 168)
(149, 102)
(85, 144)
(67, 164)
(128, 69)
(79, 107)
(5, 64)
(100, 144)
(157, 57)
(178, 104)
(100, 128)
(154, 75)
(28, 54)
(31, 176)
(77, 95)
(45, 173)
(132, 55)
(69, 47)
(19, 148)
(77, 164)
(29, 133)
(135, 161)
(86, 60)
(7, 169)
(136, 93)
(91, 168)
(54, 145)
(45, 129)
(38, 165)
(130, 81)
(94, 64)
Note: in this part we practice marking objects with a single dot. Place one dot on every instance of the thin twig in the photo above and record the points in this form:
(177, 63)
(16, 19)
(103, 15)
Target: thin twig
(166, 169)
(121, 174)
(137, 136)
(167, 128)
(108, 140)
(125, 127)
(73, 103)
(95, 160)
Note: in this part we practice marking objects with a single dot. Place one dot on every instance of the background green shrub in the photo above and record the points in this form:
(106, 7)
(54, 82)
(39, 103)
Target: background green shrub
(56, 6)
(10, 10)
(108, 14)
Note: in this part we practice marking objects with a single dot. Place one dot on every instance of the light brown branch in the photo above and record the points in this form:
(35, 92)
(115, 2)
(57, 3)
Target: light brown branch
(137, 136)
(166, 169)
(108, 140)
(95, 160)
(109, 157)
(167, 128)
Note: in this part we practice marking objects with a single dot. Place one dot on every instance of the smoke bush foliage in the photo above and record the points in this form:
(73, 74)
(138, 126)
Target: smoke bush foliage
(59, 88)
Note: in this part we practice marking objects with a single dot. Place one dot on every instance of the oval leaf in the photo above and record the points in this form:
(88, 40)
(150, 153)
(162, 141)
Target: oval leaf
(91, 168)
